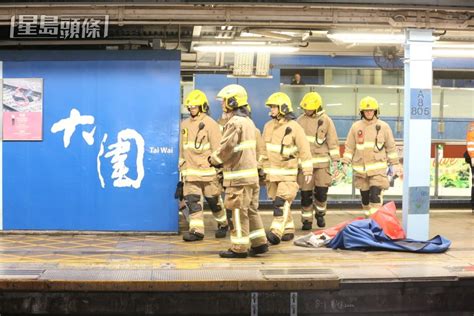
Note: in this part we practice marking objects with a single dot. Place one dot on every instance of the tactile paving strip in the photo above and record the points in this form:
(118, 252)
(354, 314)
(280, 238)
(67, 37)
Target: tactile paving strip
(206, 275)
(20, 274)
(298, 274)
(97, 275)
(151, 275)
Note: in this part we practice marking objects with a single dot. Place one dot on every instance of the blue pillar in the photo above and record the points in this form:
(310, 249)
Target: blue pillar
(417, 133)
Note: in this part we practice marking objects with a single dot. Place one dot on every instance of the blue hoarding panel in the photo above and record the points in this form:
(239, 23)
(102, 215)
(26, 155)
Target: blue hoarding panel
(110, 146)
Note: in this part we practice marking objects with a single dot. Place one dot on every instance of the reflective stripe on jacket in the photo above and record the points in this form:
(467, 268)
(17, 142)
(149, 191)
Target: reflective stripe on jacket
(322, 138)
(238, 152)
(196, 145)
(370, 151)
(285, 143)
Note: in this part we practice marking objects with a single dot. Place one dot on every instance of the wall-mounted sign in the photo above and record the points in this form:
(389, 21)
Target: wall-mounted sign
(63, 27)
(22, 109)
(420, 104)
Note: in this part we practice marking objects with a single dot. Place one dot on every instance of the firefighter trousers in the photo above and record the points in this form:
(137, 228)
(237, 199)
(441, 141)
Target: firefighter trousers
(247, 228)
(282, 194)
(318, 187)
(371, 191)
(193, 192)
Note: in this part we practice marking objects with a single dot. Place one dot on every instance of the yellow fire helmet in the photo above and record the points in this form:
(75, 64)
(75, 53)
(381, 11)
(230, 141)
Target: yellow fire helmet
(311, 101)
(282, 100)
(369, 103)
(234, 95)
(197, 98)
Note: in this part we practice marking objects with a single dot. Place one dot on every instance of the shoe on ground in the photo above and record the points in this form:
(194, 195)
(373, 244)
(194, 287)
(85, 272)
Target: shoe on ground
(288, 237)
(255, 251)
(307, 225)
(273, 239)
(221, 231)
(192, 236)
(231, 254)
(320, 221)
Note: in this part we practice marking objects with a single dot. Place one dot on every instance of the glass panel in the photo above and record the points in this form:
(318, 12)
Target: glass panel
(338, 76)
(392, 78)
(344, 76)
(387, 97)
(296, 93)
(337, 100)
(435, 101)
(340, 100)
(458, 103)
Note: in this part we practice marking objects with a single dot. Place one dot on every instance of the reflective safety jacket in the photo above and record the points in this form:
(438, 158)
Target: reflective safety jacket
(258, 136)
(370, 147)
(470, 140)
(322, 137)
(286, 144)
(237, 152)
(200, 136)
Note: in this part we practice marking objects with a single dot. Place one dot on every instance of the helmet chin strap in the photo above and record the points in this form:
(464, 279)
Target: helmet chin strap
(365, 117)
(277, 117)
(193, 116)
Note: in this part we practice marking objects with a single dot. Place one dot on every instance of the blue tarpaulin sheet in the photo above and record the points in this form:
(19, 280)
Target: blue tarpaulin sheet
(368, 235)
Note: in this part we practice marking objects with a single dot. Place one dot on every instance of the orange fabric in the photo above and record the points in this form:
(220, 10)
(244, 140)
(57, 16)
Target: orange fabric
(470, 140)
(387, 219)
(385, 216)
(332, 231)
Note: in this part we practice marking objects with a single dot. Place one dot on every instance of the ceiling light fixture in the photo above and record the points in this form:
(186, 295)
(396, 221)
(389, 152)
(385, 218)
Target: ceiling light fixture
(366, 38)
(453, 49)
(453, 52)
(454, 45)
(274, 49)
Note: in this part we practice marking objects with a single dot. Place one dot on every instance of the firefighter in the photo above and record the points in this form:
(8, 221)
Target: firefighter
(470, 157)
(370, 147)
(322, 136)
(286, 144)
(238, 158)
(200, 135)
(254, 204)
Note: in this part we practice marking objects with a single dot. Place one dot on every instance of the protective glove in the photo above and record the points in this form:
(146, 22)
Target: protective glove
(179, 193)
(220, 176)
(213, 164)
(398, 170)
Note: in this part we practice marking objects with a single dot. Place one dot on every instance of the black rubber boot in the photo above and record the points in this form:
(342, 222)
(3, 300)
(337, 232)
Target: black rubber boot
(255, 251)
(273, 239)
(230, 254)
(307, 225)
(320, 221)
(221, 231)
(192, 236)
(288, 237)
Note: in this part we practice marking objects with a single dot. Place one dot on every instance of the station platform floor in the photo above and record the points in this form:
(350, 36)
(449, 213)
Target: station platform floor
(76, 264)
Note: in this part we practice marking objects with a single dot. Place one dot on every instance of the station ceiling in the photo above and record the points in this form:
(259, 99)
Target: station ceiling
(184, 24)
